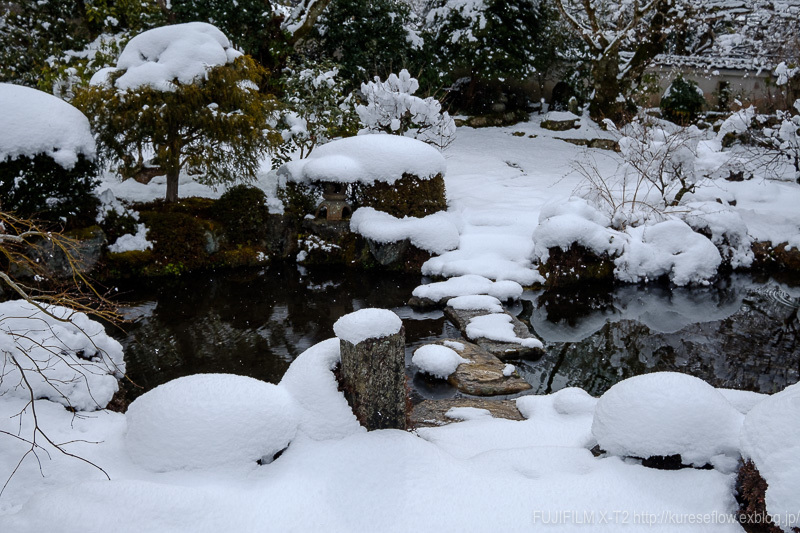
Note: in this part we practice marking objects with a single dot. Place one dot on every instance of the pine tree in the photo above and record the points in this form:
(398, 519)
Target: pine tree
(216, 126)
(493, 42)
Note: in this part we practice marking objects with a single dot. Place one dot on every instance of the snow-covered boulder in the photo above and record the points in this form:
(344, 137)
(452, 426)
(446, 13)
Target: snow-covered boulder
(440, 292)
(367, 159)
(33, 122)
(771, 439)
(437, 360)
(667, 413)
(208, 420)
(65, 356)
(160, 57)
(434, 233)
(560, 121)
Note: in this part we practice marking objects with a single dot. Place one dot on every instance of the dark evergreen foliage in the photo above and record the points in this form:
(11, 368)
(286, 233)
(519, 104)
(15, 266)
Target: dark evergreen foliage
(683, 103)
(38, 187)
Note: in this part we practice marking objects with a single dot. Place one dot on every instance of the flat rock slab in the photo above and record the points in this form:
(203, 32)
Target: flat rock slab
(431, 413)
(483, 375)
(502, 350)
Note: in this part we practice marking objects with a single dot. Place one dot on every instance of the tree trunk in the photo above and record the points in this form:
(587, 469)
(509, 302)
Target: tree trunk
(606, 102)
(172, 184)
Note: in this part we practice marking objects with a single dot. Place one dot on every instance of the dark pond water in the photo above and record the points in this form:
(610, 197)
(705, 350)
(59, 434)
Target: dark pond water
(742, 333)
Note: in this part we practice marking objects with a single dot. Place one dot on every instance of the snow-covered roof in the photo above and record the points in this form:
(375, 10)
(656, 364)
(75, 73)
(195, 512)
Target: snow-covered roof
(367, 159)
(34, 122)
(161, 56)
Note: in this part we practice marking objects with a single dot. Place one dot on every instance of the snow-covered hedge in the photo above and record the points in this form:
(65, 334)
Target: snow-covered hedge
(47, 155)
(59, 354)
(207, 420)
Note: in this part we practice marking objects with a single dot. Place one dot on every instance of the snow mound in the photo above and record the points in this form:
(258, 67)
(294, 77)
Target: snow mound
(467, 413)
(727, 229)
(324, 412)
(65, 356)
(34, 122)
(670, 247)
(367, 324)
(771, 438)
(498, 327)
(476, 302)
(434, 233)
(367, 159)
(162, 56)
(130, 242)
(666, 413)
(469, 284)
(575, 221)
(208, 420)
(560, 116)
(437, 360)
(573, 401)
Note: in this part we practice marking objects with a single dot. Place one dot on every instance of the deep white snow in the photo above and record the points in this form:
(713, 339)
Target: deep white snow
(666, 413)
(367, 324)
(367, 159)
(209, 420)
(33, 122)
(160, 57)
(437, 360)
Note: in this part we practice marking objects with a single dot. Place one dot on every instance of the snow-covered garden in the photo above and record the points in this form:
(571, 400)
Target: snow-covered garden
(383, 178)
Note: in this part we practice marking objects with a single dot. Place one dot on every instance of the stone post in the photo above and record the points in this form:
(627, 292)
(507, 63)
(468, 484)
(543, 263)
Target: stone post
(372, 343)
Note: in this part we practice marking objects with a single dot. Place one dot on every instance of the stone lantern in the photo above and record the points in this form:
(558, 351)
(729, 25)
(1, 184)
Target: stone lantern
(334, 207)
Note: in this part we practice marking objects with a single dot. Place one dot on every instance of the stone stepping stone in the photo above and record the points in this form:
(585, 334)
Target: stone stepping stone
(432, 413)
(484, 374)
(501, 349)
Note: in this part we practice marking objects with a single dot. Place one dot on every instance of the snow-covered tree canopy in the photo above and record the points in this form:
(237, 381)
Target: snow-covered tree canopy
(183, 94)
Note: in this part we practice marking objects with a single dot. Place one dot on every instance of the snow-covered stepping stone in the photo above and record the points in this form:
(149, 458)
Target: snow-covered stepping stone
(447, 411)
(440, 292)
(483, 321)
(480, 373)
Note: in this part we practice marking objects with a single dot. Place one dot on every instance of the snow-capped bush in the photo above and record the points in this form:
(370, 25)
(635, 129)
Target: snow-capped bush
(47, 156)
(660, 165)
(666, 413)
(391, 107)
(57, 354)
(207, 420)
(771, 439)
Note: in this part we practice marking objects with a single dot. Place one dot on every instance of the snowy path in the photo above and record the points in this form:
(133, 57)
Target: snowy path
(497, 183)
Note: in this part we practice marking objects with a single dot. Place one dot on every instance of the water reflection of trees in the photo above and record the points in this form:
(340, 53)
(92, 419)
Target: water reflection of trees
(251, 323)
(733, 335)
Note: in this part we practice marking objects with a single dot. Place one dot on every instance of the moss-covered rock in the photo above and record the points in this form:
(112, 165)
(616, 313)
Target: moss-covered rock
(779, 257)
(575, 266)
(409, 196)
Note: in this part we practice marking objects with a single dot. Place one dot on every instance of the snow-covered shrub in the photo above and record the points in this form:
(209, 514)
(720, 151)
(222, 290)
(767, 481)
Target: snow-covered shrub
(316, 110)
(771, 439)
(660, 164)
(58, 354)
(391, 107)
(47, 157)
(666, 413)
(185, 95)
(244, 214)
(208, 420)
(682, 102)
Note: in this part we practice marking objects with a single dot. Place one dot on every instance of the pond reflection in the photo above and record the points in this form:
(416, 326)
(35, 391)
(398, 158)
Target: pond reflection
(741, 333)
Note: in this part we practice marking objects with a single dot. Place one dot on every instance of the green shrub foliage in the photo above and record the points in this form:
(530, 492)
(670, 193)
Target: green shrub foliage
(682, 102)
(243, 212)
(38, 187)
